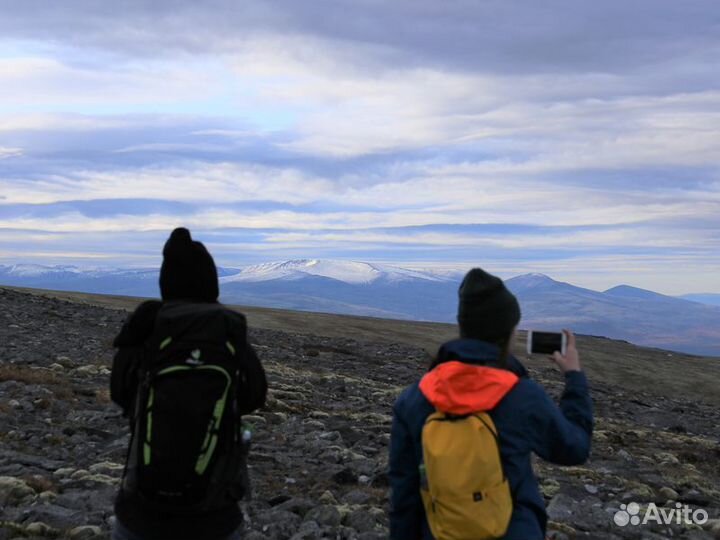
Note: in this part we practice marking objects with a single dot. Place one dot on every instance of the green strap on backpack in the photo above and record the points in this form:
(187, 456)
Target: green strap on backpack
(463, 487)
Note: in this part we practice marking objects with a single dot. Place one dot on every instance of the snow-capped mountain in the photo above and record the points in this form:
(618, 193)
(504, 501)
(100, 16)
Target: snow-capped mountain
(351, 272)
(35, 270)
(361, 288)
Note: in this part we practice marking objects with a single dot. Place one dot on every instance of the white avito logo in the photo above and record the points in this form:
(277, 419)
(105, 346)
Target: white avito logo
(629, 514)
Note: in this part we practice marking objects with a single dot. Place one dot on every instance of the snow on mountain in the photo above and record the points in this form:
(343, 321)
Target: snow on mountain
(34, 270)
(379, 290)
(530, 281)
(352, 272)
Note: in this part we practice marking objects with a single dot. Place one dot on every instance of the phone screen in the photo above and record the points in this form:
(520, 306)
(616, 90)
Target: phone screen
(544, 342)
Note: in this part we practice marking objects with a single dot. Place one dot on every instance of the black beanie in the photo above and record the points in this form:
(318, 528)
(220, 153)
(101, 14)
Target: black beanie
(487, 309)
(188, 271)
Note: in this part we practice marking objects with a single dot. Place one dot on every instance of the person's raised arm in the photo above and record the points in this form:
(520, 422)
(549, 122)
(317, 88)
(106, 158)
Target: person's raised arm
(562, 434)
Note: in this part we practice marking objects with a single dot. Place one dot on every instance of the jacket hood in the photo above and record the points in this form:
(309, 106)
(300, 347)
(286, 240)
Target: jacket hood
(459, 388)
(478, 353)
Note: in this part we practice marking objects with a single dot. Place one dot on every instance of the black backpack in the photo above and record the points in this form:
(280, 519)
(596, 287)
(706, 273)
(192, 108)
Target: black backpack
(187, 452)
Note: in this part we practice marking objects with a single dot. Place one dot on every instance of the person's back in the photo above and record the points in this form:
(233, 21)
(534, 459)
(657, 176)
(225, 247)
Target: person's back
(183, 481)
(474, 373)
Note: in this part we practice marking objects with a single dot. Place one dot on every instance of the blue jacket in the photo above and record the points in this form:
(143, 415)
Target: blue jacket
(527, 421)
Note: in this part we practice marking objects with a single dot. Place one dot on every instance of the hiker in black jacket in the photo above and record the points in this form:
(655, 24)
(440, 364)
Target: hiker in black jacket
(191, 349)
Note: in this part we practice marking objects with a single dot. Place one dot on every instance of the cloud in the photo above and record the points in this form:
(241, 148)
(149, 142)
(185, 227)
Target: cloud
(493, 36)
(6, 153)
(520, 130)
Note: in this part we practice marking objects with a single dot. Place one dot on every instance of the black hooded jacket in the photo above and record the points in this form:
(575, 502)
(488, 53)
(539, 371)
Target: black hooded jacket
(217, 523)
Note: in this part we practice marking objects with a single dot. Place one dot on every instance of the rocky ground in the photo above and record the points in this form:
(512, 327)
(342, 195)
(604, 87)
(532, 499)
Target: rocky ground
(320, 446)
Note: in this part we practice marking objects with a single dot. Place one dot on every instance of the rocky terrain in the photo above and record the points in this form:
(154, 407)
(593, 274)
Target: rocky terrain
(320, 446)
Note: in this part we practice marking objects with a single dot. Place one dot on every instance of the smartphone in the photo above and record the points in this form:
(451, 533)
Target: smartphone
(546, 342)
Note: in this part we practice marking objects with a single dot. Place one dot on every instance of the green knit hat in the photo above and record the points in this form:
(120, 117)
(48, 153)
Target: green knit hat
(487, 309)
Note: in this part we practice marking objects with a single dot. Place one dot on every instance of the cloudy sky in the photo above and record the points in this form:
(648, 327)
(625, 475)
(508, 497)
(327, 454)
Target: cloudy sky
(572, 137)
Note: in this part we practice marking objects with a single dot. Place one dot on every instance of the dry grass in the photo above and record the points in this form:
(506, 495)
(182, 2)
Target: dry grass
(39, 483)
(632, 368)
(102, 396)
(27, 375)
(59, 386)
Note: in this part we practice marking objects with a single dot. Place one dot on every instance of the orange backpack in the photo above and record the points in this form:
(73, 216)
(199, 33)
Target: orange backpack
(463, 486)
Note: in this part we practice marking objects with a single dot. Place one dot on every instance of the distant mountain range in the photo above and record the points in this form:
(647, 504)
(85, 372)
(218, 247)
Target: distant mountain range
(690, 324)
(710, 299)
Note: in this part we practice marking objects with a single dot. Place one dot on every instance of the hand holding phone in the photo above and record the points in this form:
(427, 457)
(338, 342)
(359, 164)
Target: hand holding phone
(545, 342)
(570, 359)
(560, 348)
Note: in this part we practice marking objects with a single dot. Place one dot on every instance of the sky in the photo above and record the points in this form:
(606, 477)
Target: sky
(576, 138)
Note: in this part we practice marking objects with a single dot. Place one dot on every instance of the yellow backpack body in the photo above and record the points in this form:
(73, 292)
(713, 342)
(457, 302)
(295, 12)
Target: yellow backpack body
(464, 489)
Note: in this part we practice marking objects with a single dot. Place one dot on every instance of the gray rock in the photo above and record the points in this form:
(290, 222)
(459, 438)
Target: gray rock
(84, 532)
(561, 507)
(375, 535)
(296, 506)
(310, 530)
(56, 516)
(277, 523)
(360, 520)
(38, 528)
(254, 535)
(356, 496)
(325, 514)
(14, 491)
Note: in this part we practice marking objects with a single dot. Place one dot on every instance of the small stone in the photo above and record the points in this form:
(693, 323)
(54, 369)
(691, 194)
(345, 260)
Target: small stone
(328, 498)
(297, 506)
(38, 528)
(325, 514)
(310, 530)
(14, 403)
(86, 370)
(345, 476)
(624, 454)
(667, 457)
(47, 496)
(80, 474)
(550, 487)
(561, 508)
(254, 419)
(361, 521)
(364, 480)
(276, 417)
(64, 472)
(100, 479)
(84, 532)
(593, 490)
(357, 496)
(65, 361)
(56, 367)
(669, 493)
(106, 467)
(713, 527)
(639, 493)
(14, 491)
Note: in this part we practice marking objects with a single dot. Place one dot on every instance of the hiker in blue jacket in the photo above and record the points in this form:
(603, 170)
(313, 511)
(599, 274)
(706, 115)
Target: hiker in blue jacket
(527, 419)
